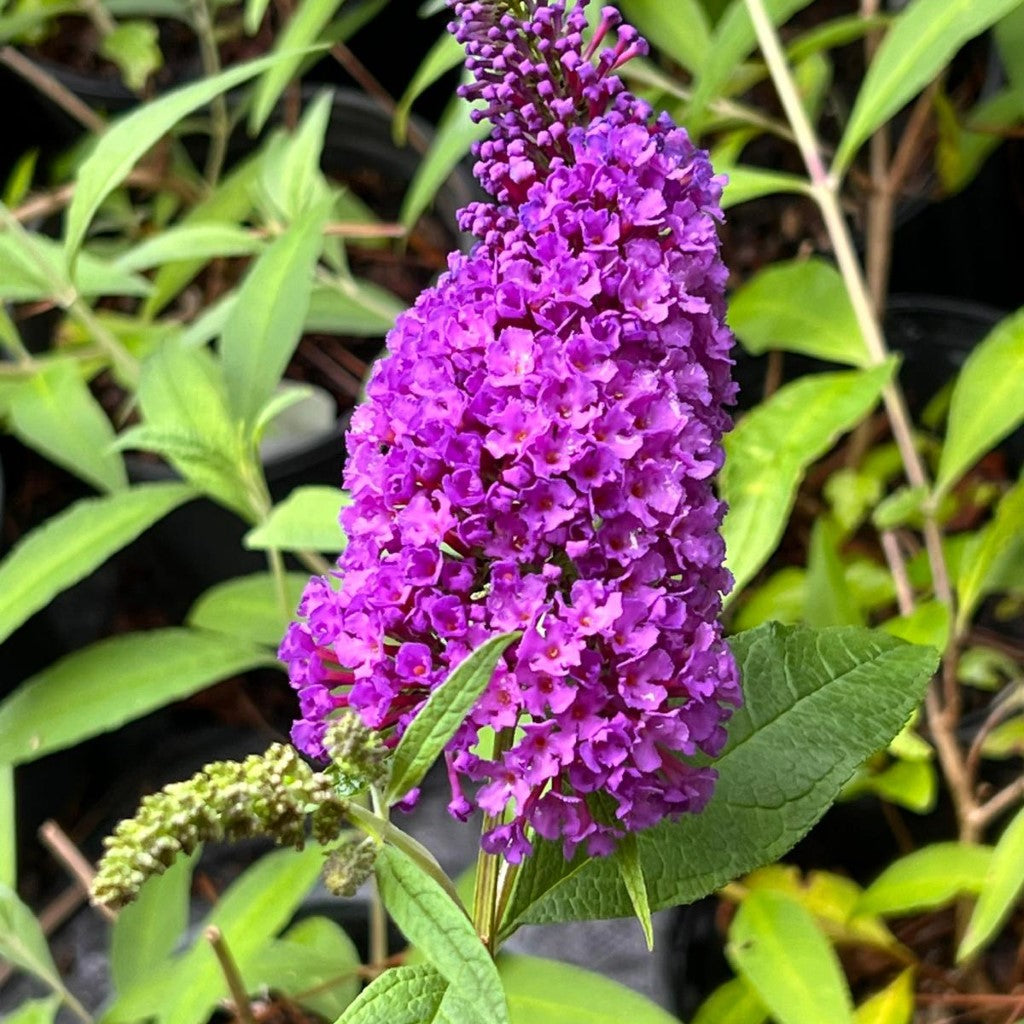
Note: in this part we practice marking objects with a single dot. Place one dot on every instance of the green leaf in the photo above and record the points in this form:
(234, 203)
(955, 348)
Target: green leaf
(827, 600)
(302, 30)
(115, 681)
(252, 15)
(118, 150)
(147, 931)
(314, 963)
(442, 714)
(988, 400)
(134, 47)
(770, 449)
(778, 948)
(542, 991)
(927, 624)
(733, 40)
(8, 828)
(931, 877)
(747, 183)
(247, 607)
(54, 412)
(432, 922)
(447, 53)
(627, 860)
(307, 520)
(1004, 883)
(22, 942)
(189, 242)
(262, 331)
(455, 134)
(799, 306)
(912, 784)
(403, 995)
(355, 307)
(35, 1011)
(69, 546)
(817, 704)
(893, 1005)
(922, 40)
(732, 1003)
(679, 30)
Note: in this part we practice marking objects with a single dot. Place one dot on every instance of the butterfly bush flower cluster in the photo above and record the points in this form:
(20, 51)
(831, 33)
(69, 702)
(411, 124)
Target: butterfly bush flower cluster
(536, 453)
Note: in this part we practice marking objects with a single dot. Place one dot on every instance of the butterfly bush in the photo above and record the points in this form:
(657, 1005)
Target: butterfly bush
(536, 453)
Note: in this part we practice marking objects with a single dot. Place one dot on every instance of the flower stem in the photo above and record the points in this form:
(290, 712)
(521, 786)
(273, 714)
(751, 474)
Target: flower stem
(236, 986)
(220, 128)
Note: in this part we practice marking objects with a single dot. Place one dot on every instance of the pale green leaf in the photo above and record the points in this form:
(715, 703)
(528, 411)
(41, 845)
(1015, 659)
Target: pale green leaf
(770, 449)
(679, 30)
(22, 942)
(911, 784)
(732, 1003)
(301, 31)
(432, 922)
(778, 948)
(262, 331)
(894, 1004)
(35, 1011)
(455, 134)
(248, 607)
(442, 57)
(118, 150)
(54, 412)
(314, 963)
(988, 400)
(442, 714)
(817, 704)
(979, 573)
(747, 183)
(922, 40)
(798, 306)
(827, 600)
(134, 46)
(69, 546)
(1005, 740)
(627, 859)
(543, 991)
(931, 877)
(115, 681)
(1004, 883)
(307, 520)
(147, 931)
(8, 827)
(199, 241)
(927, 624)
(403, 995)
(356, 307)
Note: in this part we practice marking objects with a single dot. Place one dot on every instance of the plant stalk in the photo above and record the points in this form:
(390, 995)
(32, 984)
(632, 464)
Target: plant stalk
(220, 127)
(236, 986)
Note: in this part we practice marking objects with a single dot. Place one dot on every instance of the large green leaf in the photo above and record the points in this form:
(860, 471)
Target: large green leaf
(543, 991)
(264, 327)
(442, 714)
(54, 412)
(118, 150)
(439, 929)
(680, 30)
(778, 948)
(1000, 893)
(22, 942)
(307, 520)
(247, 607)
(314, 963)
(920, 43)
(69, 546)
(147, 931)
(987, 402)
(115, 681)
(404, 995)
(817, 704)
(771, 447)
(928, 878)
(798, 306)
(732, 1002)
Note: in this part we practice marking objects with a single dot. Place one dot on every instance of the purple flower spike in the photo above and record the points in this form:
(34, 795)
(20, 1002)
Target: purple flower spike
(536, 452)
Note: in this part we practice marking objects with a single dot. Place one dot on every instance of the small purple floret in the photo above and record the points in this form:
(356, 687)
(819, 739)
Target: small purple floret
(536, 452)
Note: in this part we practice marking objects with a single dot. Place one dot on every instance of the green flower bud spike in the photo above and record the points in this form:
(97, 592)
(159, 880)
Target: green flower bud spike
(350, 864)
(357, 753)
(275, 794)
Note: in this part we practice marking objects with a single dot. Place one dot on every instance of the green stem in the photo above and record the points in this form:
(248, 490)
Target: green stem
(8, 832)
(378, 914)
(276, 562)
(220, 127)
(488, 867)
(383, 831)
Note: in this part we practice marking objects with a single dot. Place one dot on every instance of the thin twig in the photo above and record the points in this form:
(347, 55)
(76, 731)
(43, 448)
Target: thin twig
(228, 967)
(55, 839)
(53, 90)
(985, 814)
(898, 567)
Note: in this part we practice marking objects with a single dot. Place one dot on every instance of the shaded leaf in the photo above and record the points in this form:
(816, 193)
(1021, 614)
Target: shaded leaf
(680, 30)
(356, 307)
(22, 942)
(732, 1003)
(247, 607)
